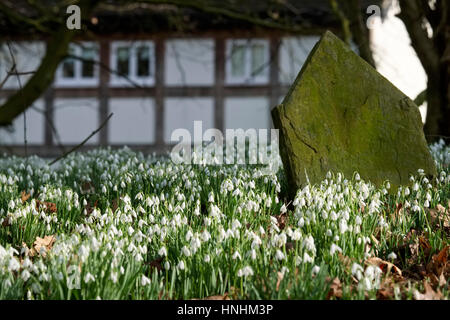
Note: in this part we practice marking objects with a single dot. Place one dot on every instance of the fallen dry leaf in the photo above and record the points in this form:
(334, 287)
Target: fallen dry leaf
(224, 297)
(335, 289)
(386, 290)
(24, 196)
(439, 215)
(46, 242)
(429, 293)
(279, 279)
(385, 266)
(48, 206)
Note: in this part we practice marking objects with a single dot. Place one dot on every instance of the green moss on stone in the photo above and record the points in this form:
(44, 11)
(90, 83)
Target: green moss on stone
(341, 115)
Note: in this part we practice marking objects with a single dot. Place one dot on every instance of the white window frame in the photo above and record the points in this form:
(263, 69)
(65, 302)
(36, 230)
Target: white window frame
(119, 81)
(248, 79)
(78, 80)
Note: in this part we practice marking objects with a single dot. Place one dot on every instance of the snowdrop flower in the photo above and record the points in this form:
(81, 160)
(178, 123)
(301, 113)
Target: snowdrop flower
(358, 220)
(13, 265)
(296, 235)
(308, 244)
(301, 222)
(343, 227)
(333, 216)
(167, 265)
(236, 224)
(114, 277)
(392, 256)
(329, 233)
(279, 255)
(207, 258)
(245, 272)
(180, 265)
(236, 255)
(334, 248)
(307, 258)
(162, 251)
(206, 236)
(357, 271)
(315, 270)
(407, 192)
(283, 209)
(25, 275)
(88, 278)
(144, 281)
(185, 250)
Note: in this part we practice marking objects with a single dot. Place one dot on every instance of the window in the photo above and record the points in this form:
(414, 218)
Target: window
(132, 61)
(247, 61)
(79, 72)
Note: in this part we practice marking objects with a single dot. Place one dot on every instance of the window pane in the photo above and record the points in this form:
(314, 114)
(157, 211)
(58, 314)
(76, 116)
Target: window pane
(238, 60)
(123, 60)
(143, 61)
(258, 59)
(68, 69)
(87, 68)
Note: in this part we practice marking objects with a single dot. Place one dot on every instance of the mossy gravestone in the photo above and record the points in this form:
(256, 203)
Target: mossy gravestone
(341, 115)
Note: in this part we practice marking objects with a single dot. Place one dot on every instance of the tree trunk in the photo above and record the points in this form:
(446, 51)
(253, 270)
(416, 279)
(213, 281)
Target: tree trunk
(40, 81)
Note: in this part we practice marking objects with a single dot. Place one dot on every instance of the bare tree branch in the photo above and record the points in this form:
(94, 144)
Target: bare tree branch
(412, 17)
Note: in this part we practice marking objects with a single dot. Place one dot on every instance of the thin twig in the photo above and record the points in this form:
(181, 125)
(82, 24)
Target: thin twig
(8, 74)
(25, 73)
(83, 142)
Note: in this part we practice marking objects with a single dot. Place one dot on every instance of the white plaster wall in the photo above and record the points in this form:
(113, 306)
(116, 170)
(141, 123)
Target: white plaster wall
(189, 62)
(133, 121)
(182, 112)
(248, 112)
(14, 135)
(75, 119)
(27, 54)
(293, 53)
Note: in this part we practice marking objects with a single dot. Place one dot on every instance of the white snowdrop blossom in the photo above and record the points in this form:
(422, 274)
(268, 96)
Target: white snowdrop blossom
(245, 272)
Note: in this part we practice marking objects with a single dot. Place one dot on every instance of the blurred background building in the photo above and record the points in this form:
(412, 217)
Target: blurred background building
(156, 77)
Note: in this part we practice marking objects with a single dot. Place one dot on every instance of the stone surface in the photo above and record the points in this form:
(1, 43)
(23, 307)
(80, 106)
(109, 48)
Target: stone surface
(341, 115)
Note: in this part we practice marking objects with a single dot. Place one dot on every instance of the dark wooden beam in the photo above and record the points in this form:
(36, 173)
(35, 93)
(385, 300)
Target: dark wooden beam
(159, 90)
(219, 74)
(103, 91)
(48, 102)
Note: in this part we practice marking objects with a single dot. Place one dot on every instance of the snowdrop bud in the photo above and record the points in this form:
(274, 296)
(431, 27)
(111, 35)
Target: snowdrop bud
(315, 270)
(392, 256)
(167, 265)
